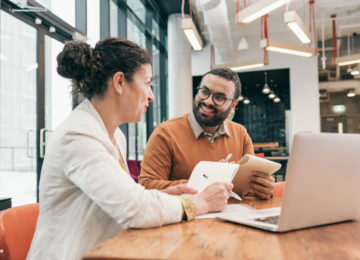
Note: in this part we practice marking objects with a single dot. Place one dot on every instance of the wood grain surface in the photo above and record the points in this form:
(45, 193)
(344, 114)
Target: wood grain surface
(215, 239)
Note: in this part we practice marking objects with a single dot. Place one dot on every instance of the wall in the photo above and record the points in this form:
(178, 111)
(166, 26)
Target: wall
(304, 95)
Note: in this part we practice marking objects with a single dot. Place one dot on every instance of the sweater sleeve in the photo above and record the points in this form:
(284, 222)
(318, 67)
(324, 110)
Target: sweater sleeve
(157, 161)
(248, 145)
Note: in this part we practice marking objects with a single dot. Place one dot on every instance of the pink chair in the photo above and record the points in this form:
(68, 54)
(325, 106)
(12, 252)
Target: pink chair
(134, 168)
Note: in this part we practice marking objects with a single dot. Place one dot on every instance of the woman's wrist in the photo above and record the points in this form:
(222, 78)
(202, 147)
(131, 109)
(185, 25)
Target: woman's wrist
(189, 208)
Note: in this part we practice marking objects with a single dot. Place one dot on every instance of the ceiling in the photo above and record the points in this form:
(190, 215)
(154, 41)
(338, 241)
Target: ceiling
(217, 22)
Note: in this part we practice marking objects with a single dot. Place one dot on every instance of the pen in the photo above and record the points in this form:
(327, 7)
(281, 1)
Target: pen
(232, 194)
(227, 158)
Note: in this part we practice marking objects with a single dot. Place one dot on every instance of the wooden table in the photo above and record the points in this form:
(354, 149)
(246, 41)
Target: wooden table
(214, 239)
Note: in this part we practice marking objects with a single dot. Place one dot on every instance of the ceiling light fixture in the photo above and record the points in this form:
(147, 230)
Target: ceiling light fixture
(246, 101)
(52, 29)
(297, 26)
(2, 57)
(237, 66)
(351, 93)
(355, 72)
(271, 95)
(348, 60)
(288, 48)
(258, 9)
(31, 67)
(192, 34)
(276, 100)
(266, 88)
(38, 20)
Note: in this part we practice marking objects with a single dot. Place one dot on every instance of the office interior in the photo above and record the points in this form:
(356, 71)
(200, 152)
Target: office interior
(311, 94)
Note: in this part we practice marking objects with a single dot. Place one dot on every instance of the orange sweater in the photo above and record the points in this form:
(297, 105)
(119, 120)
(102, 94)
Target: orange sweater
(172, 151)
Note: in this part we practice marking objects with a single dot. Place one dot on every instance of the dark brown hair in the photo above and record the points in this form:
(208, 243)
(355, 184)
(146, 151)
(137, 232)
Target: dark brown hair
(91, 68)
(227, 74)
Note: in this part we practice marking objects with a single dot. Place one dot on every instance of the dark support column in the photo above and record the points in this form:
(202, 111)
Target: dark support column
(40, 103)
(122, 19)
(150, 111)
(81, 16)
(104, 18)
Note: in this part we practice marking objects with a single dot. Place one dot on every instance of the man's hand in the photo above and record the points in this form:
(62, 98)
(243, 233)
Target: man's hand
(179, 189)
(262, 185)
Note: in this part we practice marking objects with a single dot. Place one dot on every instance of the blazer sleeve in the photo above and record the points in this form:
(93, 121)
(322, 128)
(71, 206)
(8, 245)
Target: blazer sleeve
(90, 166)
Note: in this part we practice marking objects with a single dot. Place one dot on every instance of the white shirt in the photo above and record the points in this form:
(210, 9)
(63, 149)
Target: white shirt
(85, 195)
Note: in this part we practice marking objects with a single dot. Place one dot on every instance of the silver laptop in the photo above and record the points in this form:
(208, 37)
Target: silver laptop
(322, 185)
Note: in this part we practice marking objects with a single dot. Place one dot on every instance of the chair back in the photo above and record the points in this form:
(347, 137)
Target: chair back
(17, 227)
(134, 168)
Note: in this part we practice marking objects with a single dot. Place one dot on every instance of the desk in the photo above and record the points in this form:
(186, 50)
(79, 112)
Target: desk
(214, 239)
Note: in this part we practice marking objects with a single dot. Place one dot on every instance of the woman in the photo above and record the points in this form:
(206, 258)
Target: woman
(86, 192)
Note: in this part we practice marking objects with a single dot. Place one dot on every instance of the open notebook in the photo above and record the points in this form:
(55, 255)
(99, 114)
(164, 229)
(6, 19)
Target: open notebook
(322, 185)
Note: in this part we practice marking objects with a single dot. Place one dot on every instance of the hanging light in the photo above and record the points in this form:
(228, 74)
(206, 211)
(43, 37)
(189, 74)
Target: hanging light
(288, 48)
(241, 98)
(258, 9)
(351, 93)
(246, 101)
(297, 26)
(276, 100)
(266, 88)
(237, 66)
(191, 33)
(355, 72)
(348, 60)
(271, 95)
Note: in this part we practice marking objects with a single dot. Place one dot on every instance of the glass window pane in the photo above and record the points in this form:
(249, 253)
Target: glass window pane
(58, 101)
(156, 86)
(64, 9)
(141, 137)
(138, 8)
(18, 69)
(132, 141)
(113, 19)
(93, 21)
(134, 34)
(155, 29)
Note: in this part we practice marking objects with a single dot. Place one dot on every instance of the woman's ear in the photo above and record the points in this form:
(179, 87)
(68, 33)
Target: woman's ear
(118, 81)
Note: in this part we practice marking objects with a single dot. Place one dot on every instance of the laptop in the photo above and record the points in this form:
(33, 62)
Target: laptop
(322, 185)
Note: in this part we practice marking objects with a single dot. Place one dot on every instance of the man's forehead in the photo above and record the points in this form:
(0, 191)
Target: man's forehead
(211, 80)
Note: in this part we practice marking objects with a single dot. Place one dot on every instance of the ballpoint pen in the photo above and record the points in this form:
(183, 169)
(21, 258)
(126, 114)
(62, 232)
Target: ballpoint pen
(227, 158)
(232, 194)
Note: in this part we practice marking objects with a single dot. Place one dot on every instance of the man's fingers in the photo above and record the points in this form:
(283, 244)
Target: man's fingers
(187, 189)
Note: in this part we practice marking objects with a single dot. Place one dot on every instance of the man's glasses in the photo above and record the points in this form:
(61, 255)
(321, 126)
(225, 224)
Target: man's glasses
(219, 99)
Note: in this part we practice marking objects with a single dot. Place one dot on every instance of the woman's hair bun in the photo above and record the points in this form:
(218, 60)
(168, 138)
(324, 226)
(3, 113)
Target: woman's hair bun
(73, 61)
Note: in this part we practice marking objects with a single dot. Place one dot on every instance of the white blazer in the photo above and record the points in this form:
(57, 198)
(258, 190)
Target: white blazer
(85, 195)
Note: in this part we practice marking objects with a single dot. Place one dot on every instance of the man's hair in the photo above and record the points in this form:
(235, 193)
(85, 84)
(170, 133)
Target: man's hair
(227, 74)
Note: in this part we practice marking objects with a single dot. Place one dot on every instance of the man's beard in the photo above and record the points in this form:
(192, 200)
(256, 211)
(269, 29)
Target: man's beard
(206, 120)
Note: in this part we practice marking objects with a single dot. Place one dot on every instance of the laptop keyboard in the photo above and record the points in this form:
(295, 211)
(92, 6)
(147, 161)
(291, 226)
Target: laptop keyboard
(269, 220)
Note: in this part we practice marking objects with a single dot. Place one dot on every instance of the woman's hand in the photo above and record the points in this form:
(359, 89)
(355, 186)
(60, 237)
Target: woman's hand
(179, 189)
(213, 198)
(262, 185)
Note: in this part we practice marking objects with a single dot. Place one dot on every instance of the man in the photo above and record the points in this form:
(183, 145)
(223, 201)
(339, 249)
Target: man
(177, 145)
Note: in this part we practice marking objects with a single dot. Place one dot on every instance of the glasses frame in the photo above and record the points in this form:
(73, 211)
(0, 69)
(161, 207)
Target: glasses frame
(213, 94)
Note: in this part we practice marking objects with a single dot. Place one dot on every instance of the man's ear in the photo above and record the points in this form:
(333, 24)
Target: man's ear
(118, 81)
(234, 104)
